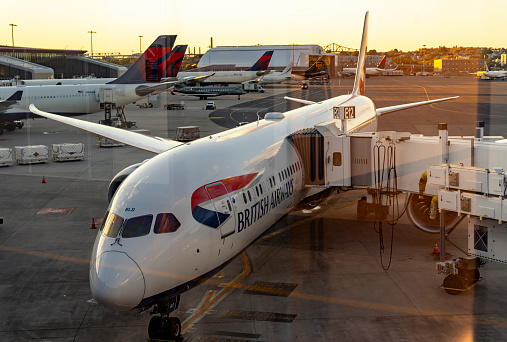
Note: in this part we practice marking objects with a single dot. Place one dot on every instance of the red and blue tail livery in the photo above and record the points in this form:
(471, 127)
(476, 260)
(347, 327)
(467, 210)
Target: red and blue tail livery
(151, 66)
(211, 203)
(175, 60)
(263, 62)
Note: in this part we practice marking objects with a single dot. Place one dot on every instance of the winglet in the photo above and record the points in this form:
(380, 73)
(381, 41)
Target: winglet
(361, 61)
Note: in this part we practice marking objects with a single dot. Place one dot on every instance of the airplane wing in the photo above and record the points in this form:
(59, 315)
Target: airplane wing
(13, 99)
(142, 141)
(385, 110)
(299, 100)
(197, 79)
(145, 90)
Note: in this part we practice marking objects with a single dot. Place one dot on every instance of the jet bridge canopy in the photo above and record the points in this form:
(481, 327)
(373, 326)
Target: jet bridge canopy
(11, 67)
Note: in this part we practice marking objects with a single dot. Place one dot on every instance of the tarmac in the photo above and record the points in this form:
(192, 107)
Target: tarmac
(318, 274)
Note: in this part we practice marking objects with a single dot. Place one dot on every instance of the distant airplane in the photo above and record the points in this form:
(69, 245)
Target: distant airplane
(316, 69)
(379, 70)
(500, 74)
(204, 92)
(139, 81)
(278, 76)
(178, 218)
(227, 77)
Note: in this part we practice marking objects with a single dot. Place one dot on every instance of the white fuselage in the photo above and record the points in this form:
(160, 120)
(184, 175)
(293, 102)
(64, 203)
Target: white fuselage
(223, 77)
(369, 71)
(67, 99)
(263, 174)
(276, 77)
(494, 74)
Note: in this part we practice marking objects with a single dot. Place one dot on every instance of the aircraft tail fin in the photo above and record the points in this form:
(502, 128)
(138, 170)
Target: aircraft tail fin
(175, 60)
(486, 66)
(288, 68)
(150, 67)
(263, 62)
(361, 61)
(382, 64)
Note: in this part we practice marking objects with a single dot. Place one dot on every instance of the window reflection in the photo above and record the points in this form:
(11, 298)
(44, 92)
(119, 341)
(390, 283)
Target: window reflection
(113, 224)
(137, 226)
(166, 223)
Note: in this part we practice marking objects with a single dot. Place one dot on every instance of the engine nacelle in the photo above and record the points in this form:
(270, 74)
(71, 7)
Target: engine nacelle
(119, 178)
(418, 211)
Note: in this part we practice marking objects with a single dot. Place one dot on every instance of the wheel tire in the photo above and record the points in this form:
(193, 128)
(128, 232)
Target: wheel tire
(10, 127)
(156, 328)
(454, 281)
(173, 328)
(362, 209)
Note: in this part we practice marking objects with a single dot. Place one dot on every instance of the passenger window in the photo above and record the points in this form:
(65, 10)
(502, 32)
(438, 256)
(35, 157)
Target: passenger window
(244, 197)
(257, 189)
(249, 196)
(113, 224)
(166, 223)
(137, 226)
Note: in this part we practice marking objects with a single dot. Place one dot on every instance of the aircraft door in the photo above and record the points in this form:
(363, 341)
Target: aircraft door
(223, 207)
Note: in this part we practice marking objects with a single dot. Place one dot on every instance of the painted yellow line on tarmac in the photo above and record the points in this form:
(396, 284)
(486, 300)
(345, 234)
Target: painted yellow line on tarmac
(211, 299)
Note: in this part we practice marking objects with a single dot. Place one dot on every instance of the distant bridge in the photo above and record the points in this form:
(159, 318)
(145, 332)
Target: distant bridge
(335, 48)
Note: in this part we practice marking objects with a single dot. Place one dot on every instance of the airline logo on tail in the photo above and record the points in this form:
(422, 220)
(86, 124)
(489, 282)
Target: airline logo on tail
(382, 64)
(151, 66)
(204, 199)
(263, 62)
(175, 60)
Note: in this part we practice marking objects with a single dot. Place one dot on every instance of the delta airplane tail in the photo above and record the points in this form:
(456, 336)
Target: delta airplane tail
(152, 65)
(382, 64)
(263, 62)
(175, 60)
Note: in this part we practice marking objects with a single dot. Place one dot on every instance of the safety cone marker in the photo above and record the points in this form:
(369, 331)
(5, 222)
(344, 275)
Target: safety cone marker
(93, 224)
(43, 179)
(435, 249)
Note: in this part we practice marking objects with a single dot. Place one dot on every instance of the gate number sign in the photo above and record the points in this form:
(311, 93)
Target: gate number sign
(349, 112)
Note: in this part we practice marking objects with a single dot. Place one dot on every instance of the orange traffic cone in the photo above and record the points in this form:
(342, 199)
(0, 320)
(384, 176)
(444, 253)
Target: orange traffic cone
(93, 224)
(43, 179)
(435, 249)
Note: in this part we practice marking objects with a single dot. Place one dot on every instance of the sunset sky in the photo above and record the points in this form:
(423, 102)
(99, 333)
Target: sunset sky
(405, 25)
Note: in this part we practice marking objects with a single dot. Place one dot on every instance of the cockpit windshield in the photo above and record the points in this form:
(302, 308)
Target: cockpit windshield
(137, 226)
(112, 225)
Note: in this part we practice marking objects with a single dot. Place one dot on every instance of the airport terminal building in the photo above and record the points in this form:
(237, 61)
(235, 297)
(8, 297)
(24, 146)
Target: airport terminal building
(35, 63)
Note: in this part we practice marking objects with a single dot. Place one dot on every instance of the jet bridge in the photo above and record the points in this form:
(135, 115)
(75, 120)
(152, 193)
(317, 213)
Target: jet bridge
(446, 178)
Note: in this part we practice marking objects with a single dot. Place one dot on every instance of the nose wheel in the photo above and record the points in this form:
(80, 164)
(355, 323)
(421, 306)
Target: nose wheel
(165, 328)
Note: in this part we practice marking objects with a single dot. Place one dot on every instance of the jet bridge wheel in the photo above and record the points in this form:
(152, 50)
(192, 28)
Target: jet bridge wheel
(454, 284)
(418, 211)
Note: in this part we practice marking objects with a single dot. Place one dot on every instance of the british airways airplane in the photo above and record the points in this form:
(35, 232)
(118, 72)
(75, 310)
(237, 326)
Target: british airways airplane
(143, 78)
(179, 217)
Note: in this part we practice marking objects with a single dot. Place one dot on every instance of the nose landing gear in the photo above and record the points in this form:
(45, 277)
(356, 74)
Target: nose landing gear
(164, 327)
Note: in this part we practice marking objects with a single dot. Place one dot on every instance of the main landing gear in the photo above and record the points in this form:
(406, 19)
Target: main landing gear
(164, 327)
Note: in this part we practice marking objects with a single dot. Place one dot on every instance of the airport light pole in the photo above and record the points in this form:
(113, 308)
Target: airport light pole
(91, 41)
(140, 49)
(12, 26)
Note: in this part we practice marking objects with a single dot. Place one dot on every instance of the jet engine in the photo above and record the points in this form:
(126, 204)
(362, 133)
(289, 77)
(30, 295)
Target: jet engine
(119, 178)
(418, 211)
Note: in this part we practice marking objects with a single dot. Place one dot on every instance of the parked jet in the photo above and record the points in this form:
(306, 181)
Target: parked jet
(204, 92)
(139, 81)
(181, 216)
(277, 76)
(227, 77)
(379, 70)
(316, 69)
(487, 74)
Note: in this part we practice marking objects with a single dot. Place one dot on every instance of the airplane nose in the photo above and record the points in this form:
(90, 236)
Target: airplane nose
(116, 281)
